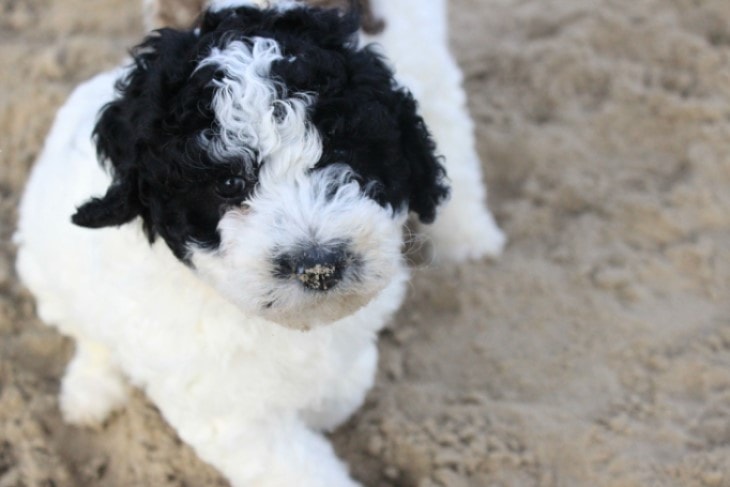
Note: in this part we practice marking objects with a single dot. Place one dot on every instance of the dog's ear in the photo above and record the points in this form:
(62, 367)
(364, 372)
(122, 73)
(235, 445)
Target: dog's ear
(118, 206)
(114, 136)
(127, 125)
(428, 187)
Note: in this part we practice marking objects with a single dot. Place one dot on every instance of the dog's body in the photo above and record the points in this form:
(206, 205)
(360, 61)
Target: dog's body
(250, 396)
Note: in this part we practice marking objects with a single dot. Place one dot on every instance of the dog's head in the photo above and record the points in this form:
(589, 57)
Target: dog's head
(273, 155)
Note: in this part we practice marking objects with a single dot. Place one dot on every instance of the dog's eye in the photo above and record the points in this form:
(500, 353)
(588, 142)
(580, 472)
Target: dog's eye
(230, 188)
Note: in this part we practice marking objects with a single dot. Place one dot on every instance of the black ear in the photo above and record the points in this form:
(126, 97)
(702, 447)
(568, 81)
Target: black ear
(428, 187)
(114, 137)
(118, 206)
(127, 125)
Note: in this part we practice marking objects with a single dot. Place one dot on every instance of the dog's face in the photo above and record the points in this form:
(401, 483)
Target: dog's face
(273, 156)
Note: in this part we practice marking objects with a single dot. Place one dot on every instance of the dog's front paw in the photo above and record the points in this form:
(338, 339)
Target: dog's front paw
(459, 235)
(87, 399)
(91, 389)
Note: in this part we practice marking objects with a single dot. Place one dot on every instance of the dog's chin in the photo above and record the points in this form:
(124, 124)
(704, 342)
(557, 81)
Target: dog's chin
(315, 312)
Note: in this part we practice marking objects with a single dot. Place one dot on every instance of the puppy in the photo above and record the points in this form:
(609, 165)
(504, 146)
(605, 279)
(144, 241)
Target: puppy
(220, 224)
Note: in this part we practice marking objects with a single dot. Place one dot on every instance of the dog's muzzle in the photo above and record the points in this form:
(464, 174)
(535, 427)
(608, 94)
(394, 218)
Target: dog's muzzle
(316, 267)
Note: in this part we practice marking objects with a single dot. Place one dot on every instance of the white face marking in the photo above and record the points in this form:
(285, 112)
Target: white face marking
(293, 206)
(320, 208)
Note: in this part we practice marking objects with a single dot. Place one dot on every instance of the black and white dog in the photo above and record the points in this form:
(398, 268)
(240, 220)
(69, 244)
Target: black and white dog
(255, 172)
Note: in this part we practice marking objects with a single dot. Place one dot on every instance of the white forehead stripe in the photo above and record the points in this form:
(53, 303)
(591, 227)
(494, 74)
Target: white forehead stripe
(254, 113)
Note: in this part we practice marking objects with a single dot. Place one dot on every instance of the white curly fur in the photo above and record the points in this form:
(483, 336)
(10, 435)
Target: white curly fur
(250, 396)
(252, 114)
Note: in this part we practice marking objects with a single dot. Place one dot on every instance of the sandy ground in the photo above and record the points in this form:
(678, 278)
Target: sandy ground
(595, 353)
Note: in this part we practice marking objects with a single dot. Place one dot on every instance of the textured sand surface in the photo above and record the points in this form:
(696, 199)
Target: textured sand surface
(595, 353)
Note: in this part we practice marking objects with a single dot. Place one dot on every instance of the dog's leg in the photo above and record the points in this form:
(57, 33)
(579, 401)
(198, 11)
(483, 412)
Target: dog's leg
(269, 451)
(92, 387)
(464, 227)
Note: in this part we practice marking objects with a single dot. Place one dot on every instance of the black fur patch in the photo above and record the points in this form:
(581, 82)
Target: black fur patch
(149, 134)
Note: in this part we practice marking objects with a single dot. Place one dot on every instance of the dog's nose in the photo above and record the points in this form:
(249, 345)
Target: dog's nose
(318, 267)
